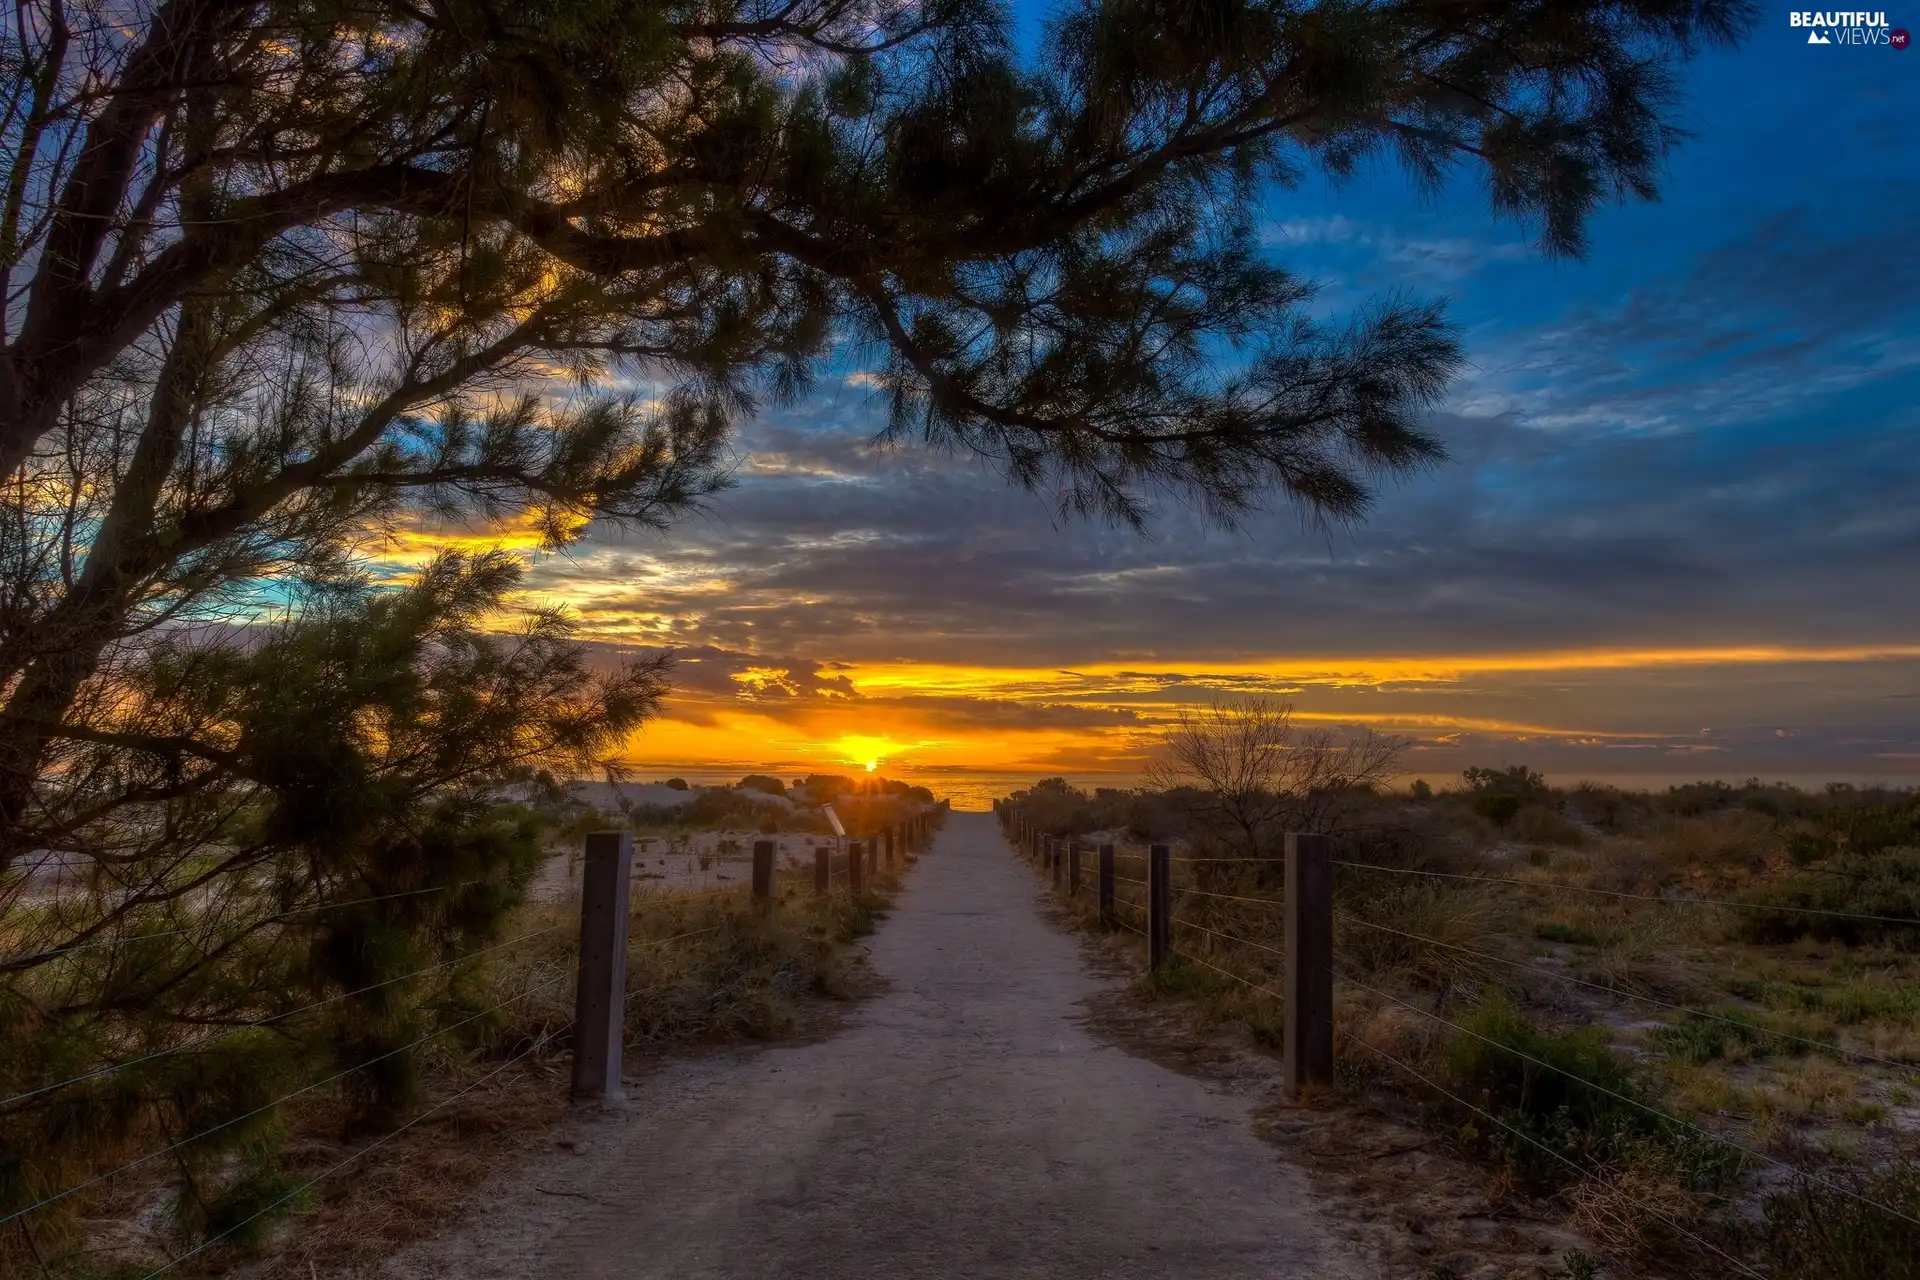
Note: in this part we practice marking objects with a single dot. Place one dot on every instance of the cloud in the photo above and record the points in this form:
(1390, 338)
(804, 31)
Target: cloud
(1792, 313)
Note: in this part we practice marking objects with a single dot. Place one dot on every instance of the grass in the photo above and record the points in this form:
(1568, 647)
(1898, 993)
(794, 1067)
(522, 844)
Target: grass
(1729, 1037)
(701, 970)
(1423, 934)
(1834, 1232)
(1851, 988)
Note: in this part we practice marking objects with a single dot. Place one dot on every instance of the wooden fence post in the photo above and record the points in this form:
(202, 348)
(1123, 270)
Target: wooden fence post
(763, 870)
(822, 869)
(1073, 868)
(1159, 905)
(1105, 881)
(1307, 1055)
(853, 865)
(1059, 862)
(600, 998)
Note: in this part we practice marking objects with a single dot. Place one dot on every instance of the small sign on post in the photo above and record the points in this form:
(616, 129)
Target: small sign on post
(600, 997)
(822, 869)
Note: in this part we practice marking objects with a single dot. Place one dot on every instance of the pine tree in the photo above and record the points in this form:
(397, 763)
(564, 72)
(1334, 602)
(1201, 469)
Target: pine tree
(281, 276)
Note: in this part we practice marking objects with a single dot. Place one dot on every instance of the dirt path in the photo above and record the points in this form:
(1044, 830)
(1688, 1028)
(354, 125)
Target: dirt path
(963, 1124)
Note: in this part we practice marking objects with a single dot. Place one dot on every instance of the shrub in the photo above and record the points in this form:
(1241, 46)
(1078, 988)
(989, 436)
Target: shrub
(763, 782)
(1831, 1232)
(1571, 1093)
(1860, 829)
(1538, 824)
(678, 784)
(1606, 808)
(1515, 780)
(1884, 884)
(1420, 790)
(1733, 838)
(1497, 807)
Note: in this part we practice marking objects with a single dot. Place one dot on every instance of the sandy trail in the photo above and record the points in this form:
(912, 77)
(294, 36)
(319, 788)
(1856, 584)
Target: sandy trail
(963, 1123)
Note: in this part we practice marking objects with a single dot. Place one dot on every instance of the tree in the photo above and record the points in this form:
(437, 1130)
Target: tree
(1247, 776)
(281, 279)
(319, 849)
(276, 272)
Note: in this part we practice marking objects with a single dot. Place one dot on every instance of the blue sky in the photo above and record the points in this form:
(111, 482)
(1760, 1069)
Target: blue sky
(1700, 440)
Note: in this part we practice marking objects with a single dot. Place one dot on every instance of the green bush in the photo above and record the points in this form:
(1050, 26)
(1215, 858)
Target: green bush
(1859, 829)
(1884, 884)
(1515, 780)
(1497, 807)
(1572, 1094)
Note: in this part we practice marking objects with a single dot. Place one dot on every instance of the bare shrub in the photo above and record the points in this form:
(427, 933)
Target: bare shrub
(1244, 773)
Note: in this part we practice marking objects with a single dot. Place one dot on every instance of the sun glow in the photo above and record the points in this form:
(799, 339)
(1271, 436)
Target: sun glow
(872, 765)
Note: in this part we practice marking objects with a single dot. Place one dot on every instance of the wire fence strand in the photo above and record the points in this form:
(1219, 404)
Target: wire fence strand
(1619, 993)
(1231, 937)
(1231, 897)
(1726, 903)
(334, 1168)
(98, 1178)
(210, 1037)
(29, 958)
(1261, 987)
(1635, 1102)
(1562, 1157)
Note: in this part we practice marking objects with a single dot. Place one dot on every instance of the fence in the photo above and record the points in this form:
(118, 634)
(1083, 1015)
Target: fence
(597, 1027)
(1300, 943)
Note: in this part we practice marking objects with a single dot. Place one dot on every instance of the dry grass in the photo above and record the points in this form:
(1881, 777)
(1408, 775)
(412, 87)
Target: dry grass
(1729, 1071)
(1419, 934)
(1537, 824)
(701, 970)
(1652, 953)
(1610, 1208)
(1737, 841)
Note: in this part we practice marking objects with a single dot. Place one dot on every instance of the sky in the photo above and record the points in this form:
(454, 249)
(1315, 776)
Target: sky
(1677, 536)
